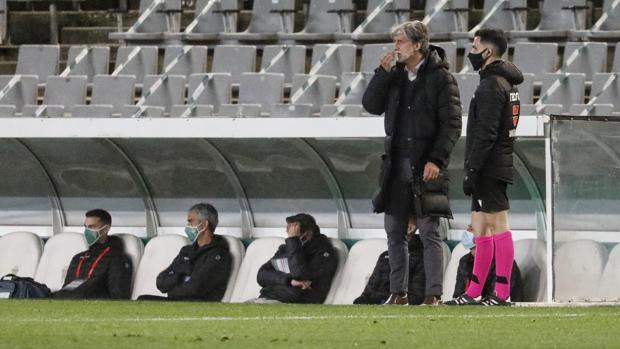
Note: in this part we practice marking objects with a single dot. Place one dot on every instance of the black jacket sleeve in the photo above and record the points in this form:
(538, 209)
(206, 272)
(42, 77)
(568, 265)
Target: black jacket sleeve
(376, 95)
(450, 122)
(71, 270)
(489, 102)
(206, 275)
(375, 292)
(268, 276)
(462, 274)
(171, 276)
(308, 269)
(119, 277)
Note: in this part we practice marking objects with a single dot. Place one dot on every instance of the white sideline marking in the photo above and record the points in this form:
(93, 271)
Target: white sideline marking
(319, 317)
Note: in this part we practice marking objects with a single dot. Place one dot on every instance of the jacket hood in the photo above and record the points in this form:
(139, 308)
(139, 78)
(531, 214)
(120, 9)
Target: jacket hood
(218, 243)
(504, 69)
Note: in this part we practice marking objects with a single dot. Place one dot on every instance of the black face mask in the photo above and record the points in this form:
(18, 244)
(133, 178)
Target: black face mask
(476, 59)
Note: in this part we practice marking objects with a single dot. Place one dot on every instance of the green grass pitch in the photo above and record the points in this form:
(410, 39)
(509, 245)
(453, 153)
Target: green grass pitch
(118, 324)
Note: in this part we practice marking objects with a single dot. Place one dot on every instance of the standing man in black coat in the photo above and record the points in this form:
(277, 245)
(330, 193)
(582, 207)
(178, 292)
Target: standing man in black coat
(420, 99)
(491, 126)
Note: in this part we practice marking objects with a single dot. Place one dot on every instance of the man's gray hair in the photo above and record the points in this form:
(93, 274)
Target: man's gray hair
(206, 212)
(414, 31)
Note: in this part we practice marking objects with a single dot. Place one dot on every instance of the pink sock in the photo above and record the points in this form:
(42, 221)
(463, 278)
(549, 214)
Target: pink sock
(504, 258)
(482, 264)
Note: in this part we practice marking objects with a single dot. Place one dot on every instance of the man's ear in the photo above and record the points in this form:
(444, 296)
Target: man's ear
(207, 225)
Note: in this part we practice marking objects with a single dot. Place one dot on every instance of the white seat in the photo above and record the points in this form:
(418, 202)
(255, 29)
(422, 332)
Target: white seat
(447, 255)
(531, 257)
(158, 254)
(20, 252)
(134, 248)
(357, 270)
(342, 251)
(57, 255)
(257, 254)
(578, 267)
(449, 276)
(610, 281)
(237, 252)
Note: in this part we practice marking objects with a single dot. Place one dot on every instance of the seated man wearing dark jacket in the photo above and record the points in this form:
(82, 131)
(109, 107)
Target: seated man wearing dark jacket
(302, 269)
(102, 271)
(466, 267)
(377, 291)
(201, 270)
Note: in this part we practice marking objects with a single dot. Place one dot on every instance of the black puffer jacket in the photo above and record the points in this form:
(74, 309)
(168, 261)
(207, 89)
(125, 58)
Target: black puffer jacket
(106, 269)
(464, 274)
(198, 273)
(437, 113)
(489, 144)
(377, 290)
(314, 261)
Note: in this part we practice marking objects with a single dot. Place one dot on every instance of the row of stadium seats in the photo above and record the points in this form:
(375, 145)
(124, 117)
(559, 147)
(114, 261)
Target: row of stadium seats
(333, 59)
(262, 94)
(333, 20)
(596, 270)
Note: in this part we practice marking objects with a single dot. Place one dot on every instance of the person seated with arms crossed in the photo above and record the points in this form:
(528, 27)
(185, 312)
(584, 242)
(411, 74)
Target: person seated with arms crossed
(303, 267)
(377, 291)
(201, 270)
(104, 270)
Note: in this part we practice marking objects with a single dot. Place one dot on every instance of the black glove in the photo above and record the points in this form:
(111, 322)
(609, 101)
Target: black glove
(470, 181)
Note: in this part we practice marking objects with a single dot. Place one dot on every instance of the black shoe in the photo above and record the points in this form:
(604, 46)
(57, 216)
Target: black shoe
(494, 301)
(463, 299)
(397, 299)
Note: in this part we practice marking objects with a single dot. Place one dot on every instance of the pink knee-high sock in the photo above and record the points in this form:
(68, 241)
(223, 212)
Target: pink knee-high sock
(482, 264)
(504, 258)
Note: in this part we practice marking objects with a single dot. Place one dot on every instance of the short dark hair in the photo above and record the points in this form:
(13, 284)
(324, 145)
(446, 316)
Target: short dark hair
(103, 215)
(306, 223)
(495, 37)
(208, 213)
(416, 32)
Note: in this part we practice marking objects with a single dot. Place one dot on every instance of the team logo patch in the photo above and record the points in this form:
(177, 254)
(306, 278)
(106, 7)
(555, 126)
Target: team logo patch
(326, 254)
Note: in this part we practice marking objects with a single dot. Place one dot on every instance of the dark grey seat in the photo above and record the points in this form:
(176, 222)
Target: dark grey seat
(39, 60)
(15, 92)
(61, 95)
(324, 19)
(268, 19)
(157, 17)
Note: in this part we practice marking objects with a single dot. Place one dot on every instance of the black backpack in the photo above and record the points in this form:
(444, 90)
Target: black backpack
(13, 286)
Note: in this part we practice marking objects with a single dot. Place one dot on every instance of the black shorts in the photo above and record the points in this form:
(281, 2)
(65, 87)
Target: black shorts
(490, 196)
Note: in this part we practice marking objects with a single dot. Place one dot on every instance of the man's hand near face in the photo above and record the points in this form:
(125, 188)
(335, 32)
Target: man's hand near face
(293, 229)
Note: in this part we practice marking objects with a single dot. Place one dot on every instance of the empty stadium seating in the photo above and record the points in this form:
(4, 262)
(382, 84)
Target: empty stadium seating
(578, 268)
(20, 253)
(56, 257)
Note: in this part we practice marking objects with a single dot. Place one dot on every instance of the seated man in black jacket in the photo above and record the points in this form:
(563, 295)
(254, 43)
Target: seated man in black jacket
(102, 271)
(466, 267)
(201, 270)
(302, 269)
(377, 291)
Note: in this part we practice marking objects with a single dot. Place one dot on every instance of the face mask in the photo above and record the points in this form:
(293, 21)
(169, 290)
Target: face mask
(92, 235)
(192, 232)
(468, 240)
(476, 60)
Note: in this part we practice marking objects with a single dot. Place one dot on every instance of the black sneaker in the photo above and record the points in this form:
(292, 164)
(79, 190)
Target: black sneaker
(463, 299)
(494, 301)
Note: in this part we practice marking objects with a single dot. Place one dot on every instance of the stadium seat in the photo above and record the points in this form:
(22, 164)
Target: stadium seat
(56, 257)
(321, 92)
(342, 251)
(156, 19)
(449, 47)
(234, 59)
(109, 96)
(258, 89)
(185, 111)
(257, 254)
(158, 254)
(171, 91)
(237, 251)
(604, 91)
(20, 253)
(3, 20)
(219, 17)
(143, 61)
(468, 82)
(508, 15)
(531, 257)
(557, 19)
(616, 66)
(578, 266)
(324, 19)
(607, 26)
(545, 109)
(268, 19)
(446, 255)
(609, 287)
(39, 60)
(342, 110)
(341, 61)
(446, 17)
(526, 89)
(449, 276)
(591, 109)
(23, 92)
(587, 57)
(378, 27)
(352, 87)
(289, 63)
(61, 95)
(291, 110)
(357, 270)
(536, 58)
(95, 61)
(371, 53)
(192, 62)
(134, 248)
(208, 91)
(569, 92)
(239, 110)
